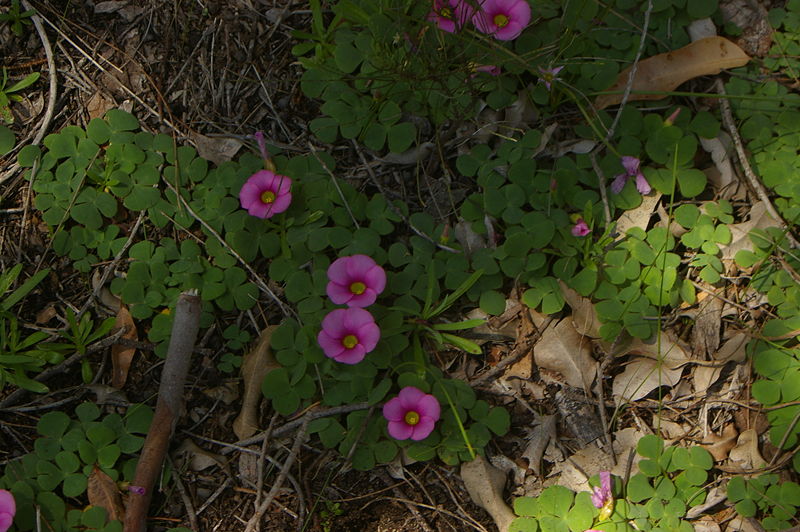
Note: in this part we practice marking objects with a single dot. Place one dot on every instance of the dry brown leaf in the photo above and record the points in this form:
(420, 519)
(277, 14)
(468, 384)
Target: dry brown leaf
(122, 356)
(564, 350)
(720, 446)
(255, 366)
(199, 458)
(642, 376)
(216, 149)
(666, 349)
(640, 216)
(575, 470)
(664, 72)
(485, 484)
(538, 439)
(102, 492)
(746, 454)
(707, 324)
(583, 315)
(740, 239)
(732, 350)
(227, 392)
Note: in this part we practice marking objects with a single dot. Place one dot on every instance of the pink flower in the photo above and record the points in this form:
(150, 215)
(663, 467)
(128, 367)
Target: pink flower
(602, 494)
(8, 507)
(348, 334)
(631, 165)
(503, 19)
(492, 70)
(412, 414)
(355, 281)
(266, 194)
(581, 228)
(549, 75)
(450, 15)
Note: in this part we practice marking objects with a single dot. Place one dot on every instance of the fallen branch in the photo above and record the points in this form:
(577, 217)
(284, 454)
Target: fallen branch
(168, 409)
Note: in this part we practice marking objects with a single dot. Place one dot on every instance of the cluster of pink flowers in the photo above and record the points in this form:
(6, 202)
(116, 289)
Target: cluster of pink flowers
(348, 334)
(502, 19)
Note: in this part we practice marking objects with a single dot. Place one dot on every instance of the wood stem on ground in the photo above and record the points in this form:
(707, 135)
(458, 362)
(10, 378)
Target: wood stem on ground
(168, 409)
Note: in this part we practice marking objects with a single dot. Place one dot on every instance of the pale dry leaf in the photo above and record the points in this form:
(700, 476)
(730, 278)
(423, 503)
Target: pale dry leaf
(625, 442)
(666, 349)
(640, 216)
(663, 73)
(746, 454)
(227, 392)
(733, 350)
(562, 349)
(707, 324)
(98, 104)
(466, 236)
(521, 114)
(706, 524)
(216, 149)
(715, 496)
(584, 316)
(248, 466)
(546, 136)
(538, 439)
(46, 314)
(701, 28)
(574, 472)
(485, 484)
(507, 465)
(743, 524)
(121, 356)
(668, 428)
(103, 492)
(721, 155)
(720, 445)
(200, 459)
(579, 146)
(642, 376)
(759, 219)
(256, 364)
(109, 300)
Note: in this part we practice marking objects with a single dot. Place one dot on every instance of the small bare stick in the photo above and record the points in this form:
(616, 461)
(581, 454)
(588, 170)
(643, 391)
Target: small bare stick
(168, 409)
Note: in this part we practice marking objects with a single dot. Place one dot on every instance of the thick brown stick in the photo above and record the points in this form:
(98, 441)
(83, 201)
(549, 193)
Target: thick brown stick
(168, 409)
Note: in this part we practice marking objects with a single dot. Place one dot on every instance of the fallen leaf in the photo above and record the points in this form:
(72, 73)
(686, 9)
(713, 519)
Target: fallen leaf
(733, 350)
(574, 472)
(640, 216)
(563, 349)
(720, 446)
(121, 356)
(485, 484)
(740, 233)
(665, 349)
(662, 73)
(538, 438)
(584, 316)
(199, 458)
(227, 392)
(721, 155)
(466, 236)
(216, 149)
(746, 454)
(256, 364)
(642, 376)
(715, 496)
(46, 314)
(102, 492)
(707, 324)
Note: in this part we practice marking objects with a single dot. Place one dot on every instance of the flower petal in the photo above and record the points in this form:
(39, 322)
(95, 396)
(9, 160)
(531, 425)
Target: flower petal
(351, 356)
(282, 202)
(641, 184)
(338, 293)
(334, 323)
(368, 336)
(337, 271)
(619, 183)
(393, 410)
(410, 396)
(399, 430)
(332, 347)
(428, 407)
(630, 164)
(356, 318)
(375, 278)
(362, 300)
(423, 429)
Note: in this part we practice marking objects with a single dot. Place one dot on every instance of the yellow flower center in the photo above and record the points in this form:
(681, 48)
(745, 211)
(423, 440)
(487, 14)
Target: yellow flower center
(412, 418)
(446, 12)
(350, 341)
(500, 20)
(267, 196)
(358, 288)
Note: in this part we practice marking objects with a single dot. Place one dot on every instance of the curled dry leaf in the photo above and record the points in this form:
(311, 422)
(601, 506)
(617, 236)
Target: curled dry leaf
(720, 446)
(255, 366)
(216, 149)
(200, 459)
(746, 454)
(564, 350)
(640, 216)
(538, 439)
(583, 315)
(121, 356)
(740, 233)
(666, 349)
(102, 491)
(485, 484)
(663, 73)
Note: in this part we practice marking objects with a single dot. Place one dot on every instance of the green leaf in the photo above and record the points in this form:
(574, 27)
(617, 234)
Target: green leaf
(119, 120)
(53, 424)
(7, 140)
(498, 420)
(98, 131)
(401, 136)
(650, 446)
(493, 302)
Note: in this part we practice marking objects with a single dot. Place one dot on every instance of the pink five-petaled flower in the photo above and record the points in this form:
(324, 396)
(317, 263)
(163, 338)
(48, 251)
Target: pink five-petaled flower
(348, 334)
(581, 228)
(450, 15)
(631, 165)
(266, 194)
(503, 19)
(8, 507)
(355, 281)
(412, 414)
(549, 75)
